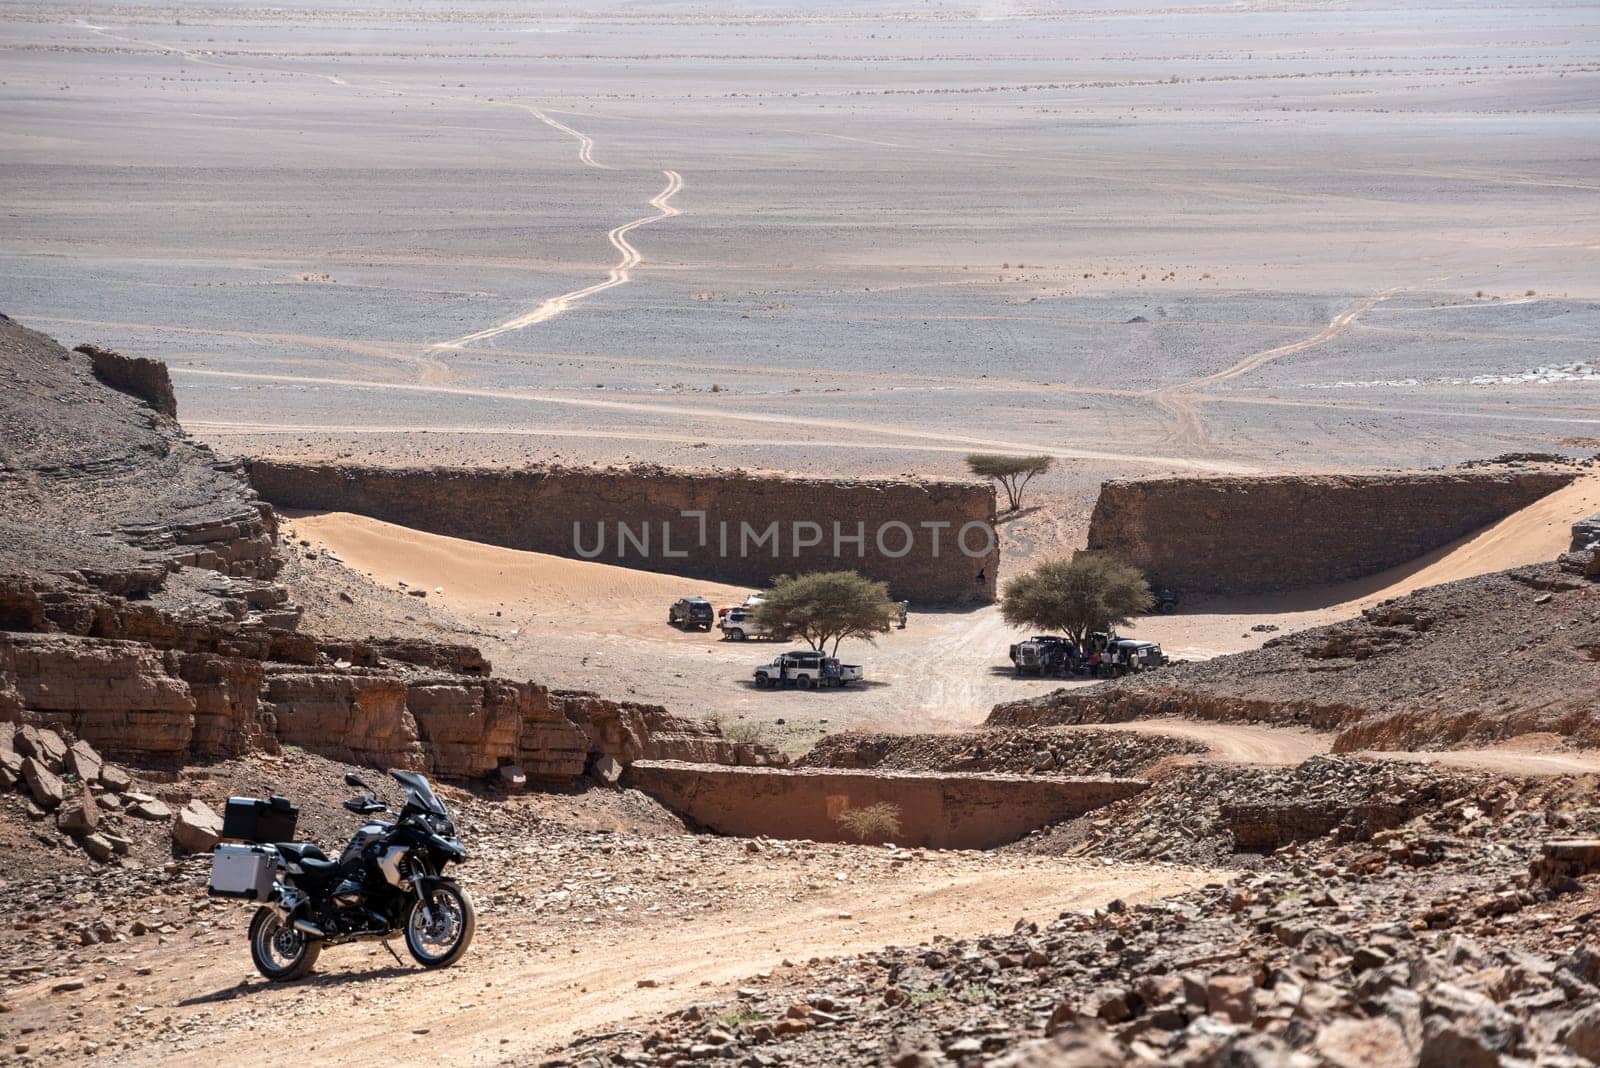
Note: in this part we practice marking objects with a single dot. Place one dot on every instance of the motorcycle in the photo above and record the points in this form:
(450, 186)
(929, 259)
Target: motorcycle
(388, 881)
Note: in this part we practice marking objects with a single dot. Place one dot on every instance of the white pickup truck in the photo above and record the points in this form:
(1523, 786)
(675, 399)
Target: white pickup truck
(806, 669)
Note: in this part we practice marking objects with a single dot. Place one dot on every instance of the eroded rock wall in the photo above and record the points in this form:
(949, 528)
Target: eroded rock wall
(1256, 535)
(717, 526)
(148, 686)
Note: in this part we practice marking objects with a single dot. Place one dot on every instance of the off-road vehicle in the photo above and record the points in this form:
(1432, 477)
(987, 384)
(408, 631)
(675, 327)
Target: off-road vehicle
(806, 669)
(741, 624)
(1044, 654)
(691, 612)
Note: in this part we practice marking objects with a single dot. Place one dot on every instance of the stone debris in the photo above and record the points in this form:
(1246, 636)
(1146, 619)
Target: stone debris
(1426, 942)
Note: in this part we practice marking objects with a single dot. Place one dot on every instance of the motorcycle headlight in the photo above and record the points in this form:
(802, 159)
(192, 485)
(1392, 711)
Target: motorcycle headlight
(441, 825)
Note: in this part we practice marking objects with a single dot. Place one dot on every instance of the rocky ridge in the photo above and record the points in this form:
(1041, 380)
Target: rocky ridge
(1450, 938)
(1467, 662)
(137, 611)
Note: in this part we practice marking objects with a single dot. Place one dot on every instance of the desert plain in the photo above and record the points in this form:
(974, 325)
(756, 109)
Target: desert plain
(830, 239)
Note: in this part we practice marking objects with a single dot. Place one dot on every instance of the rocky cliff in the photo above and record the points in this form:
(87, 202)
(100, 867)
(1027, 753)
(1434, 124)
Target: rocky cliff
(143, 684)
(100, 485)
(137, 610)
(1253, 535)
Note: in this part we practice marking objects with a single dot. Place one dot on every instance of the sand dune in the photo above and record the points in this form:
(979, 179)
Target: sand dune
(1539, 532)
(477, 578)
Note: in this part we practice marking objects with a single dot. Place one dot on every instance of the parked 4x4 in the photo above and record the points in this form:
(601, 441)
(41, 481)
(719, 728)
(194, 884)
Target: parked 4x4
(1045, 654)
(741, 623)
(807, 669)
(691, 612)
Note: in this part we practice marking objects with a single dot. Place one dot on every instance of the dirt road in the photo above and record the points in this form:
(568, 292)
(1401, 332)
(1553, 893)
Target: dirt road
(620, 274)
(1178, 400)
(519, 992)
(1263, 746)
(1233, 743)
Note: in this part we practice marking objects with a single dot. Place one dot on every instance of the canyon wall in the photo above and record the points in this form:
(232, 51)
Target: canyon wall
(1257, 535)
(932, 542)
(143, 684)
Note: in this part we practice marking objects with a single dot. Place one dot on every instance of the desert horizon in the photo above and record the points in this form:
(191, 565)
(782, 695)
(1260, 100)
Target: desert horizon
(992, 535)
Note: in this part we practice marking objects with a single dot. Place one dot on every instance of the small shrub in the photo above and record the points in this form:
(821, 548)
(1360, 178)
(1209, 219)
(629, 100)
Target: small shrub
(880, 822)
(745, 732)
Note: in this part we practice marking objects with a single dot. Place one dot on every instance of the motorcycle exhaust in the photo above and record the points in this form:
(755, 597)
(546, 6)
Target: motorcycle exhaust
(309, 929)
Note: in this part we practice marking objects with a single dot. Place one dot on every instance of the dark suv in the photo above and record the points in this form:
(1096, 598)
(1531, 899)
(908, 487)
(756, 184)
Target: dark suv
(691, 612)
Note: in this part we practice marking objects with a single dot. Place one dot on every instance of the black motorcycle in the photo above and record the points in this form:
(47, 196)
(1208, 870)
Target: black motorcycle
(388, 881)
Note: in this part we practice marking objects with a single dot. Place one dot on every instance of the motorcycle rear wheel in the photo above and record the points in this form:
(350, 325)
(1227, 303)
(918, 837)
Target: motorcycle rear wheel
(280, 953)
(441, 943)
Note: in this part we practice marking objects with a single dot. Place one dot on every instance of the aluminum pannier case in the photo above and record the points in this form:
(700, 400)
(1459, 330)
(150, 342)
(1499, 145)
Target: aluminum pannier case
(243, 871)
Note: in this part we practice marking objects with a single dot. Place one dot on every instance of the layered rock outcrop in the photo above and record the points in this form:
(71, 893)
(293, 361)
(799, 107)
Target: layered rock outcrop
(142, 684)
(100, 486)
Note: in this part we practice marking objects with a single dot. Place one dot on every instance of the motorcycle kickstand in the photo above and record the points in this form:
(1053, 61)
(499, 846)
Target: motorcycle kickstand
(393, 954)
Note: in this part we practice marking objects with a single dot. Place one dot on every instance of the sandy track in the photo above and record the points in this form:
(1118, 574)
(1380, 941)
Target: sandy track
(1233, 743)
(1256, 745)
(1179, 404)
(205, 59)
(620, 274)
(585, 142)
(508, 1003)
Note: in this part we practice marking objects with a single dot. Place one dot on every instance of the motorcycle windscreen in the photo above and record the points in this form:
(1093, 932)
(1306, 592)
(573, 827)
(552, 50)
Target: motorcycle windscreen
(421, 793)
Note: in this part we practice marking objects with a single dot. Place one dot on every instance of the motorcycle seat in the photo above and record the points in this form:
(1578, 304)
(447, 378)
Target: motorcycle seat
(307, 854)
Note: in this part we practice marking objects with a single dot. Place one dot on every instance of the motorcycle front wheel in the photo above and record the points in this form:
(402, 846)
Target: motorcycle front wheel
(280, 953)
(439, 935)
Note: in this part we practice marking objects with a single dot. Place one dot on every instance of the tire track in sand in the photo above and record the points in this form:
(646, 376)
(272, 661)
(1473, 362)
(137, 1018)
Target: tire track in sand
(619, 274)
(1179, 403)
(585, 142)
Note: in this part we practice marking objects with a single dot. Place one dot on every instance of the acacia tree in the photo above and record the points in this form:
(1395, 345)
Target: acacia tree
(1013, 473)
(1090, 592)
(827, 606)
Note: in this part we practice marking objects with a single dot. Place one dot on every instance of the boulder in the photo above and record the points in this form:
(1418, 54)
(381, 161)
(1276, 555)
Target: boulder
(84, 762)
(197, 829)
(150, 809)
(97, 846)
(45, 786)
(45, 746)
(607, 769)
(1378, 1043)
(10, 768)
(78, 814)
(115, 779)
(1582, 1035)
